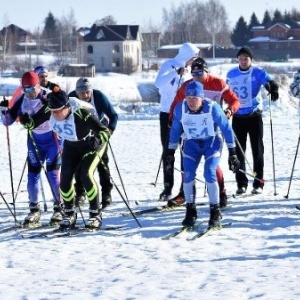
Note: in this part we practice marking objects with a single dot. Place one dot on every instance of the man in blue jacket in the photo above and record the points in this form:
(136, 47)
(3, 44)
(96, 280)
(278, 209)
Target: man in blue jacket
(108, 117)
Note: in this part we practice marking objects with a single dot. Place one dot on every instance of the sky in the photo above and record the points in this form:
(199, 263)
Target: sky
(30, 15)
(256, 258)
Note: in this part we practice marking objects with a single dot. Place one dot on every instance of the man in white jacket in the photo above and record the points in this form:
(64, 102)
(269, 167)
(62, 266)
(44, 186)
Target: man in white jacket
(168, 80)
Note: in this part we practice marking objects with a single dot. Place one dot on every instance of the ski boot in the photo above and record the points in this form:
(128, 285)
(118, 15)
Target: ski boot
(34, 216)
(190, 216)
(165, 195)
(177, 200)
(94, 221)
(215, 216)
(69, 219)
(58, 214)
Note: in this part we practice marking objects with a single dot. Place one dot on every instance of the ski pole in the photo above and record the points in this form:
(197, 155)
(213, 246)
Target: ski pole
(12, 213)
(159, 167)
(183, 172)
(118, 190)
(124, 200)
(117, 168)
(273, 157)
(10, 166)
(21, 178)
(243, 153)
(293, 168)
(43, 193)
(260, 180)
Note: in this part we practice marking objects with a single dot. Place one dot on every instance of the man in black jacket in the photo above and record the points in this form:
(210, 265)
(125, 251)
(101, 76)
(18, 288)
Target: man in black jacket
(108, 117)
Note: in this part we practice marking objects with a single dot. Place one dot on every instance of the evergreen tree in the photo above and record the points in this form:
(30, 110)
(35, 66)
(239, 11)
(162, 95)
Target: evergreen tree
(278, 17)
(266, 19)
(253, 21)
(240, 34)
(51, 31)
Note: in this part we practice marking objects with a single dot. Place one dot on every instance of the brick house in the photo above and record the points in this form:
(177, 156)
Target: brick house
(279, 40)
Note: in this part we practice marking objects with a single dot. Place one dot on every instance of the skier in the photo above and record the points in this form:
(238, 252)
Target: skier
(203, 122)
(295, 85)
(43, 78)
(246, 81)
(85, 141)
(108, 117)
(217, 90)
(168, 80)
(42, 145)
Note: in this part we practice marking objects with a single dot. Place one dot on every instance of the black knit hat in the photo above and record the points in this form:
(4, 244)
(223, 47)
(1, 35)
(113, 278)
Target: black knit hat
(57, 99)
(200, 63)
(246, 51)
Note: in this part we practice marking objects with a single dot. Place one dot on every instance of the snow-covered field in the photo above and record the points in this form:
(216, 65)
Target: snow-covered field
(256, 258)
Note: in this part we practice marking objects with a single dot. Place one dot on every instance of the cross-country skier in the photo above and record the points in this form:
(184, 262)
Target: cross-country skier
(246, 81)
(85, 140)
(217, 90)
(203, 122)
(42, 145)
(108, 117)
(168, 80)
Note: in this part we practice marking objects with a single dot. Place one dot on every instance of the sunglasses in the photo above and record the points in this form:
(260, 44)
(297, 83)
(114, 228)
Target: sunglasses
(28, 90)
(197, 73)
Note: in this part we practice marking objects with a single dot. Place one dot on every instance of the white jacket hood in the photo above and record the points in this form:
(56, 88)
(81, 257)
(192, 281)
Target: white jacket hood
(186, 52)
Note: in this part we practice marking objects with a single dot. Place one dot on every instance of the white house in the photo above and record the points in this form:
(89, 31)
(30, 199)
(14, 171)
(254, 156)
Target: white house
(113, 48)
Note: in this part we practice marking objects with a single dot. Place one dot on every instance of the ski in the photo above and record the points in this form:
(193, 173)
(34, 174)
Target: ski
(208, 231)
(183, 229)
(244, 195)
(23, 227)
(158, 209)
(59, 232)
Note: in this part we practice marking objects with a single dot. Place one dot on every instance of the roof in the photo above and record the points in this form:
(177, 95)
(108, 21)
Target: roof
(112, 33)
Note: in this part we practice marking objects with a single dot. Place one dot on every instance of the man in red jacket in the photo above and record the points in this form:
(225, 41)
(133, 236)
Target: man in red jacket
(216, 89)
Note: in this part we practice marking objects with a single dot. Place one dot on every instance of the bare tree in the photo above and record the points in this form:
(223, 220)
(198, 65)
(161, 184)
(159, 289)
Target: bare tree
(216, 19)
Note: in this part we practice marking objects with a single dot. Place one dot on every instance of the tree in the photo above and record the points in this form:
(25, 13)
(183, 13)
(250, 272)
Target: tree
(278, 17)
(108, 20)
(51, 31)
(216, 19)
(253, 21)
(240, 33)
(266, 19)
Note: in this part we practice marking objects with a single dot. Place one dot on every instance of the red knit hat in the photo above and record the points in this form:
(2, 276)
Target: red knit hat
(30, 79)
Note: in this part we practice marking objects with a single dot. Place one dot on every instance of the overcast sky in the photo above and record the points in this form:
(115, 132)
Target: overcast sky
(30, 14)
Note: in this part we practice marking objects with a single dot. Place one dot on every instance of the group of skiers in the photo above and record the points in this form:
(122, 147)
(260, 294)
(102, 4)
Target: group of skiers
(70, 133)
(192, 116)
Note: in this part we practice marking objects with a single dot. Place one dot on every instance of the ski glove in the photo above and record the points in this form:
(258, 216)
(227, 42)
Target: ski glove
(4, 103)
(233, 162)
(272, 87)
(27, 121)
(104, 136)
(169, 165)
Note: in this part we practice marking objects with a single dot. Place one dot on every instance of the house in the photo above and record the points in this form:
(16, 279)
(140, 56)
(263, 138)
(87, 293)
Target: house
(113, 48)
(12, 36)
(277, 41)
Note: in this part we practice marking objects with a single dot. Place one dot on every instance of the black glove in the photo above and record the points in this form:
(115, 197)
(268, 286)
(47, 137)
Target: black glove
(4, 103)
(169, 166)
(92, 143)
(272, 87)
(233, 162)
(27, 121)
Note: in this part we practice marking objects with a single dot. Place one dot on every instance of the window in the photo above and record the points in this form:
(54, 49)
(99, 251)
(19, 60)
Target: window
(116, 49)
(90, 49)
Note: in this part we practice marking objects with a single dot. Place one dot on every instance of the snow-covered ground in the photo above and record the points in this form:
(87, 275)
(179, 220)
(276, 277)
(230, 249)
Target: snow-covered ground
(256, 258)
